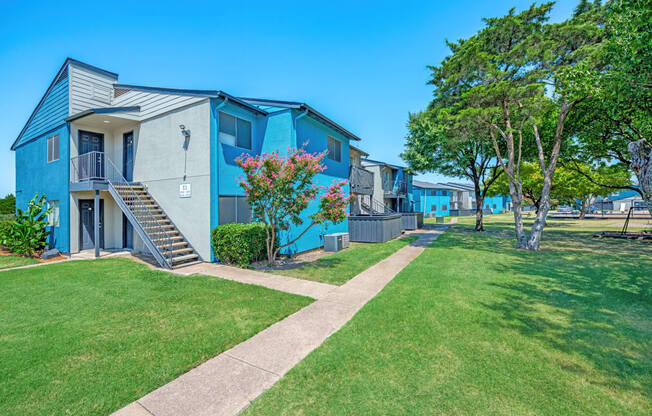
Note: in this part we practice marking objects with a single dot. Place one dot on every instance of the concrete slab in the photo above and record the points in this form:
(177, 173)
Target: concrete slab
(281, 346)
(220, 386)
(315, 290)
(133, 409)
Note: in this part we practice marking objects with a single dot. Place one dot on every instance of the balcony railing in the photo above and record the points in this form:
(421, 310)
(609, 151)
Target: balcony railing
(361, 181)
(87, 167)
(394, 187)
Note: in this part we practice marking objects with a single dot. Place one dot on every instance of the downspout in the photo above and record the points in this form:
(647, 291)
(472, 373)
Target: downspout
(296, 135)
(217, 160)
(217, 117)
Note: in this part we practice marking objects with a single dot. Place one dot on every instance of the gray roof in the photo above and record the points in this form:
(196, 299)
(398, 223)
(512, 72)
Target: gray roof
(359, 150)
(102, 110)
(301, 107)
(459, 186)
(378, 162)
(430, 185)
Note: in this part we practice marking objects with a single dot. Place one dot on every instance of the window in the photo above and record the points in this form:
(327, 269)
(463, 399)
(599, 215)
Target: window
(234, 131)
(234, 209)
(53, 148)
(431, 193)
(334, 149)
(53, 217)
(494, 206)
(433, 208)
(444, 207)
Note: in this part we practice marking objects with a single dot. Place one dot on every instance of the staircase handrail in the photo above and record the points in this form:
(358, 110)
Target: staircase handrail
(114, 177)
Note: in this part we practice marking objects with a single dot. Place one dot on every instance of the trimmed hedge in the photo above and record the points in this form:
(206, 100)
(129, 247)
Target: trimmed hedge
(239, 244)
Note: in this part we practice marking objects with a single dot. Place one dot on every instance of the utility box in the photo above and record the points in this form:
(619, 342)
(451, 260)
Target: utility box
(336, 241)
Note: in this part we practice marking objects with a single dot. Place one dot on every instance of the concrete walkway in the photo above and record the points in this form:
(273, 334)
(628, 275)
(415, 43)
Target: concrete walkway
(228, 383)
(315, 290)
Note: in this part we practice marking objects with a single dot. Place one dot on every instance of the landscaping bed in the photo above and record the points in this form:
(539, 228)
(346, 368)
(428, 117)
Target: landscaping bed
(338, 268)
(89, 337)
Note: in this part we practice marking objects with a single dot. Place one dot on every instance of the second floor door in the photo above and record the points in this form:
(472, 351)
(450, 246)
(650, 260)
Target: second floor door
(91, 167)
(128, 156)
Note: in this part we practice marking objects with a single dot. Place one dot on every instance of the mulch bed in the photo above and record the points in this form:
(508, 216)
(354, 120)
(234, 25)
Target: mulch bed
(5, 252)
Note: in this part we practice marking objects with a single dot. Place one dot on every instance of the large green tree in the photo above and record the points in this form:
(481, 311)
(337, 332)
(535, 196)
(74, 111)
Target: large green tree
(441, 141)
(569, 185)
(515, 77)
(614, 123)
(8, 205)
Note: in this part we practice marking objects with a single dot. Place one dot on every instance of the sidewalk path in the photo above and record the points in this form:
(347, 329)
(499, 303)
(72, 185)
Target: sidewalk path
(315, 290)
(228, 383)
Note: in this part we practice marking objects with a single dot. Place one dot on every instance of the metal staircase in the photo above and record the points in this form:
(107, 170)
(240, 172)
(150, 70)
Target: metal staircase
(166, 243)
(375, 207)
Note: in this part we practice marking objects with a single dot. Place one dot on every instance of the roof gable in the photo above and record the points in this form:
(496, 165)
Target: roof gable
(53, 107)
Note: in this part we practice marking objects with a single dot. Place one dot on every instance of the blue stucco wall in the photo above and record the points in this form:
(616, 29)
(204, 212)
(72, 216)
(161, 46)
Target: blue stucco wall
(497, 201)
(35, 175)
(424, 201)
(270, 133)
(50, 114)
(314, 135)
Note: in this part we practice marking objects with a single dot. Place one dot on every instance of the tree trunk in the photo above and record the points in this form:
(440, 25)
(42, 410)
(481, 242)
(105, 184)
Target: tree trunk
(543, 207)
(584, 207)
(518, 216)
(640, 153)
(479, 203)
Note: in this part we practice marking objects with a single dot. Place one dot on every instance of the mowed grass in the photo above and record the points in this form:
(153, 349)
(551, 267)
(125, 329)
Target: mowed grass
(7, 262)
(88, 337)
(473, 326)
(340, 267)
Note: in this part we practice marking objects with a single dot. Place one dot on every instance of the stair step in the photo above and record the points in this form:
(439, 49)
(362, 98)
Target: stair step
(181, 251)
(181, 259)
(178, 244)
(158, 236)
(166, 227)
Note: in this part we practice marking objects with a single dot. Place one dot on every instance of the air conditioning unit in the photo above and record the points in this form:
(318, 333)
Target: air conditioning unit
(336, 241)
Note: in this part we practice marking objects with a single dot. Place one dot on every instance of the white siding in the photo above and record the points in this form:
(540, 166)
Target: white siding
(152, 104)
(89, 89)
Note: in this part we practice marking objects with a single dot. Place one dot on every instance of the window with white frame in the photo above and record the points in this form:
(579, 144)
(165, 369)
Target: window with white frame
(53, 148)
(53, 216)
(234, 131)
(334, 149)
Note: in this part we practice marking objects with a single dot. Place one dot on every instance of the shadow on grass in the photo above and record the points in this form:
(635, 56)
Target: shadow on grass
(580, 295)
(322, 263)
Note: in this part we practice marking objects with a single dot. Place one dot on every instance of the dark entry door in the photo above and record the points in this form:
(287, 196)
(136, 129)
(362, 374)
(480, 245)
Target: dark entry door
(87, 224)
(127, 233)
(92, 167)
(128, 155)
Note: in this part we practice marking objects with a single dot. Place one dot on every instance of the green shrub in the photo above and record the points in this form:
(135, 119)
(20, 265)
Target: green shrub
(28, 232)
(239, 244)
(5, 227)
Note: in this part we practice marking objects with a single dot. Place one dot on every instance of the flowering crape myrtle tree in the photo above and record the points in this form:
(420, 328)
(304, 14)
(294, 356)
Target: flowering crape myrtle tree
(280, 188)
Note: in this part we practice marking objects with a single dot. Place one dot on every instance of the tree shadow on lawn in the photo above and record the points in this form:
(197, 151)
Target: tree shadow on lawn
(579, 295)
(322, 263)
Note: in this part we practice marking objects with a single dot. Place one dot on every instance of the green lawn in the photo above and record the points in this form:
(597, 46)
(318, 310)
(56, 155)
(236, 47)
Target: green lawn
(338, 268)
(7, 262)
(473, 326)
(89, 337)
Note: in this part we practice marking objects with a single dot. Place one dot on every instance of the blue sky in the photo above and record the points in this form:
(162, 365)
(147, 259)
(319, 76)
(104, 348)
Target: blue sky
(360, 63)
